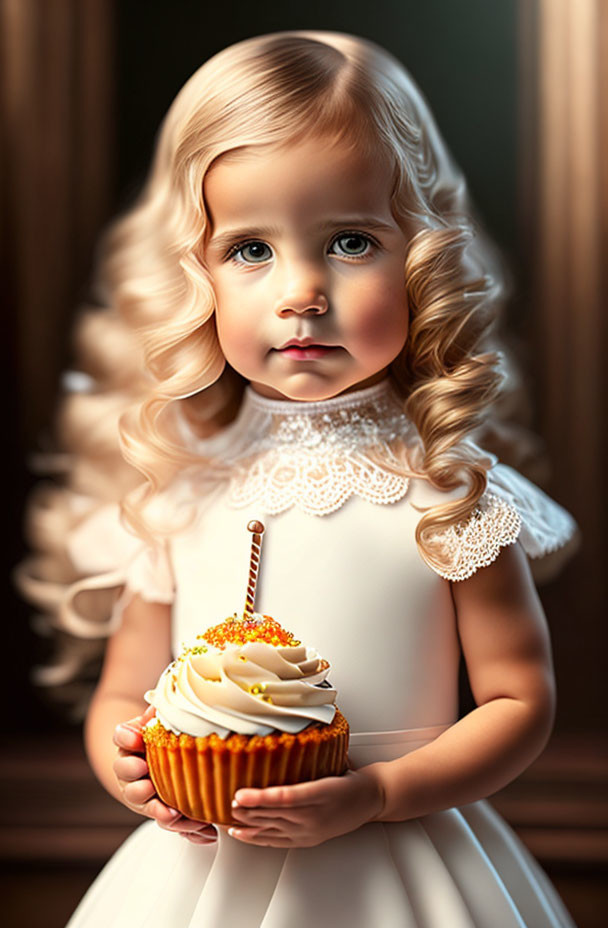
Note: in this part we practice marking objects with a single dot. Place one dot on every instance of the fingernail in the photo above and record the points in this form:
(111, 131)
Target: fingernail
(122, 727)
(231, 832)
(235, 804)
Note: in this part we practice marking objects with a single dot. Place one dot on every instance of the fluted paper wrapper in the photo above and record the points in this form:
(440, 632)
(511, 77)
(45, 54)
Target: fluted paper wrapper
(199, 776)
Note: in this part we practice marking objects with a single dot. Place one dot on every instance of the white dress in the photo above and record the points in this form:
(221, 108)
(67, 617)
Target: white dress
(340, 569)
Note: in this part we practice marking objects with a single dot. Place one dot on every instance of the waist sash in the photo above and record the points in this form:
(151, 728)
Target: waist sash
(368, 747)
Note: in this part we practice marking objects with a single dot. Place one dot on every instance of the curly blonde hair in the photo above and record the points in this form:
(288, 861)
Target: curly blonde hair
(274, 90)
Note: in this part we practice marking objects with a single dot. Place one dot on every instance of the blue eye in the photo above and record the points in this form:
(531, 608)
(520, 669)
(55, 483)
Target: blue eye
(351, 245)
(251, 253)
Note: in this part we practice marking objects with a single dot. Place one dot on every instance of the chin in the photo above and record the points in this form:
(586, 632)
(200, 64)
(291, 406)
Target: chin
(312, 389)
(301, 387)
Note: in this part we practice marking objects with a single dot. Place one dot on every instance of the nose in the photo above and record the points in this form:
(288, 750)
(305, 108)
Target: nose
(313, 302)
(303, 293)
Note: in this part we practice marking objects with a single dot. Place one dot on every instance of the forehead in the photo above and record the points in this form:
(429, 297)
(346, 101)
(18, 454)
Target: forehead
(316, 177)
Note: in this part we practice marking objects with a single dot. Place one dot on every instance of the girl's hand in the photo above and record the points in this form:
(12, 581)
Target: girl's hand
(308, 813)
(138, 791)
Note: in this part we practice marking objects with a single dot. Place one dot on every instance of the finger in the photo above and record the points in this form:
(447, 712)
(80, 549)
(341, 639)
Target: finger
(266, 817)
(130, 767)
(282, 825)
(189, 825)
(276, 796)
(253, 836)
(207, 829)
(139, 792)
(163, 815)
(199, 839)
(267, 830)
(135, 725)
(128, 737)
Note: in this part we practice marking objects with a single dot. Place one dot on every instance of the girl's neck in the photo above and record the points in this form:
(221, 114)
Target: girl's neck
(350, 399)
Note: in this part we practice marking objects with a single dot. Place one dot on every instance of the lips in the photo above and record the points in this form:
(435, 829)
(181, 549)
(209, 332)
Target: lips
(305, 349)
(309, 353)
(301, 343)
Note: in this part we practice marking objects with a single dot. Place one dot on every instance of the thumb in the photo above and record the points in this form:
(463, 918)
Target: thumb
(128, 735)
(137, 722)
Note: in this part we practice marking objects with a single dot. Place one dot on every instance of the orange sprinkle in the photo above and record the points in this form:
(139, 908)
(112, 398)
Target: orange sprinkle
(239, 631)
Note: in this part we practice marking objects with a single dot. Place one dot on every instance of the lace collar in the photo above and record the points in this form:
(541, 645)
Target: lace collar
(317, 455)
(351, 421)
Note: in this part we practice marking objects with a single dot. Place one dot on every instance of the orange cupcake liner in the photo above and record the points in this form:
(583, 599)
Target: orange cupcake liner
(199, 776)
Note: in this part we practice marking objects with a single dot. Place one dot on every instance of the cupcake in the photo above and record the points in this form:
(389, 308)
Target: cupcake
(245, 704)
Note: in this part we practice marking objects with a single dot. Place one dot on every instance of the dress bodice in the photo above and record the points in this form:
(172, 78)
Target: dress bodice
(340, 566)
(340, 489)
(334, 482)
(351, 584)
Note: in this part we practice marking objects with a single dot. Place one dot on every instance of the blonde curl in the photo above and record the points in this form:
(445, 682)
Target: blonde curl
(270, 91)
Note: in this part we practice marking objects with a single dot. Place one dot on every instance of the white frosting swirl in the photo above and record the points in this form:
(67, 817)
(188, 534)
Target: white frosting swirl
(251, 689)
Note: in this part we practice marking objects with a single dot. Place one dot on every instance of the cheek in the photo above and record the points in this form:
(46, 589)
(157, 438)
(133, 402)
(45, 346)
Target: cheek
(235, 321)
(379, 317)
(233, 335)
(235, 342)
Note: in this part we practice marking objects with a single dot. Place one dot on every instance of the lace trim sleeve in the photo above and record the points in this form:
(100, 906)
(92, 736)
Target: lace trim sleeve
(512, 509)
(477, 542)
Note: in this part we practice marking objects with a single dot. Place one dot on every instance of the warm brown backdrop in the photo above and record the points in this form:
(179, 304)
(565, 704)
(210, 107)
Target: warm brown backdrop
(69, 158)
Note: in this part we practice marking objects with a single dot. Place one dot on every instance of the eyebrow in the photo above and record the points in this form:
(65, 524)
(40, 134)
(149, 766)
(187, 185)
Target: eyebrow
(220, 242)
(227, 238)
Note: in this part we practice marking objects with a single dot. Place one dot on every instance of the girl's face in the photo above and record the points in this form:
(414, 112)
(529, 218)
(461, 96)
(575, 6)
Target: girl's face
(308, 265)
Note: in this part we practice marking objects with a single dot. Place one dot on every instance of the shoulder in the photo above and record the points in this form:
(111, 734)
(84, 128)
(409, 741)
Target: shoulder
(511, 509)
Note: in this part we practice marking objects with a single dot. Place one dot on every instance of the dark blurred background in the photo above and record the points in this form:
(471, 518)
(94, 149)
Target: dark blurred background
(518, 90)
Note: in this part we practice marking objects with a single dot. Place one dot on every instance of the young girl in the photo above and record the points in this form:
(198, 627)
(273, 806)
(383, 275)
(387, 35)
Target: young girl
(313, 303)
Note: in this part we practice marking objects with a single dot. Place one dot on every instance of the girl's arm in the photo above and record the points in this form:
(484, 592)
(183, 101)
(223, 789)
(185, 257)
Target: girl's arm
(506, 647)
(505, 642)
(136, 655)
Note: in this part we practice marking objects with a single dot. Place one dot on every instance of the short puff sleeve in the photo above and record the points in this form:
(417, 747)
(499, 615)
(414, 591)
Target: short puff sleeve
(511, 509)
(109, 557)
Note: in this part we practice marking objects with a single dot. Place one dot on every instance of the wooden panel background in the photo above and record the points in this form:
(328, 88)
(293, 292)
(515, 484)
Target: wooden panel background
(56, 96)
(56, 191)
(563, 208)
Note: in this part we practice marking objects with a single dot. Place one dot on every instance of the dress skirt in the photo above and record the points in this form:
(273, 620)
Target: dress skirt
(462, 868)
